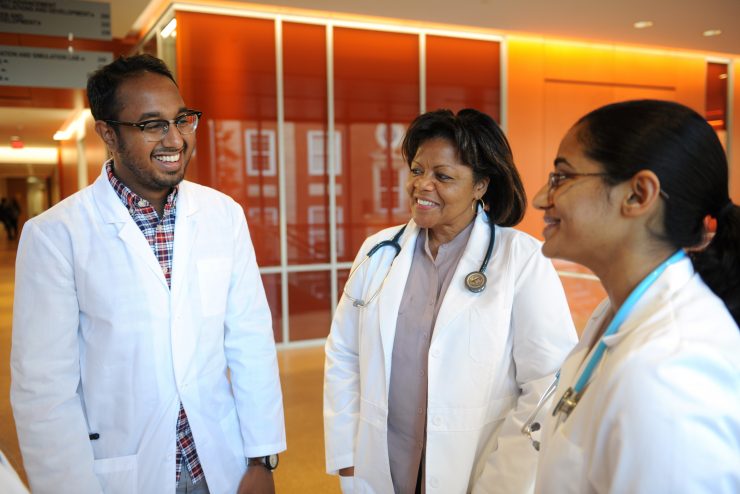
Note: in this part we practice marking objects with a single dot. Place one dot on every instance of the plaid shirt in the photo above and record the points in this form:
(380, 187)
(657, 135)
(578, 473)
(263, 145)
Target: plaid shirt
(161, 238)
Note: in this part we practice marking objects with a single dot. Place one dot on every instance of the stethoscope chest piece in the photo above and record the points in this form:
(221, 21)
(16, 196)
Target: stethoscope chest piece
(476, 281)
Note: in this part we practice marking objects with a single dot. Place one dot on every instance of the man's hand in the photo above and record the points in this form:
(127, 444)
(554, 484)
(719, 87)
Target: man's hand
(257, 480)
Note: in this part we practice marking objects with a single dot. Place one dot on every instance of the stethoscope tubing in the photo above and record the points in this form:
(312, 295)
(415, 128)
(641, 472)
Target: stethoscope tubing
(572, 395)
(394, 242)
(621, 315)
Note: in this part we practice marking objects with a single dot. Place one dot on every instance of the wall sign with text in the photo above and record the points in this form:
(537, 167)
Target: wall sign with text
(46, 67)
(56, 18)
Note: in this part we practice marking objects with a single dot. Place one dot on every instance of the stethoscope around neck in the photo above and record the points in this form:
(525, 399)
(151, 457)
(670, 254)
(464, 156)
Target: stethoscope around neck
(573, 394)
(475, 281)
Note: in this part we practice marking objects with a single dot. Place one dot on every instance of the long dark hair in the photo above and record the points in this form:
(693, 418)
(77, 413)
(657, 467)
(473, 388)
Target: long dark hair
(481, 145)
(682, 149)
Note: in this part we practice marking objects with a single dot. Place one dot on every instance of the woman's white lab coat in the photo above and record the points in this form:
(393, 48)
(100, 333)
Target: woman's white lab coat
(662, 412)
(491, 355)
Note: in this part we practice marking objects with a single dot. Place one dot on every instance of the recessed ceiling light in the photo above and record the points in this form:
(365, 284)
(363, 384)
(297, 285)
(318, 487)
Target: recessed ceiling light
(643, 24)
(712, 32)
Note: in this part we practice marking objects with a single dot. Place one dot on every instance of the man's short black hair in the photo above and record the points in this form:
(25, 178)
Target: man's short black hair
(104, 82)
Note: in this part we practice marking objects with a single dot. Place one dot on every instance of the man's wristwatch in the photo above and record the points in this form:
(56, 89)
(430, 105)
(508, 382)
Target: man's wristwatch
(270, 462)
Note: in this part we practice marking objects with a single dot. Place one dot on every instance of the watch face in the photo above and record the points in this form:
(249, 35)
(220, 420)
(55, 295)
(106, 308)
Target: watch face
(271, 461)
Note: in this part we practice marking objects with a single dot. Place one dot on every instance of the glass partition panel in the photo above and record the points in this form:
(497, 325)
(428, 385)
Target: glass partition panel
(376, 97)
(463, 73)
(716, 99)
(310, 304)
(226, 68)
(272, 290)
(306, 143)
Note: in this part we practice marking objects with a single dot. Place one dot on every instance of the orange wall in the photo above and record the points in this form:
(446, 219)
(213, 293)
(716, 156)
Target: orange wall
(551, 84)
(68, 168)
(95, 151)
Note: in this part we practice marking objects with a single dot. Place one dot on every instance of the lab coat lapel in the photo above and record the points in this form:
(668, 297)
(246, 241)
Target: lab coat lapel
(114, 212)
(644, 316)
(389, 299)
(185, 233)
(458, 298)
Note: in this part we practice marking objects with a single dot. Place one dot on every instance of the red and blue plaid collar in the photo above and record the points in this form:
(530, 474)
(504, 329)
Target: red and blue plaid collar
(129, 198)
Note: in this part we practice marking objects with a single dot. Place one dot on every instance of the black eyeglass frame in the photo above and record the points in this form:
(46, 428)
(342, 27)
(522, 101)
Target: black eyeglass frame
(142, 125)
(554, 180)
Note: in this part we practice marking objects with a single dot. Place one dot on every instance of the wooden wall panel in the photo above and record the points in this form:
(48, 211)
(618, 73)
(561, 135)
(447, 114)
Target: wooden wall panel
(551, 84)
(525, 119)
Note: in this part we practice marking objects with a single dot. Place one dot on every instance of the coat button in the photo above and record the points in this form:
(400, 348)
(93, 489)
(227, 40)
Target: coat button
(433, 482)
(437, 420)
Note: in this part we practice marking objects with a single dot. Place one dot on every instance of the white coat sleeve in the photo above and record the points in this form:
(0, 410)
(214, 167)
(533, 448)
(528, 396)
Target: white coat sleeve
(543, 335)
(683, 438)
(342, 381)
(45, 368)
(249, 346)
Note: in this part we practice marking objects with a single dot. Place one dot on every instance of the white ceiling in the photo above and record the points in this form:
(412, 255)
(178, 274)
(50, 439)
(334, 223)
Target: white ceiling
(676, 24)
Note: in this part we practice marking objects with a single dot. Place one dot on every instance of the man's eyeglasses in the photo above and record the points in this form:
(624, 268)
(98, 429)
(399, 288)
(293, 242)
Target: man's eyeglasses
(155, 130)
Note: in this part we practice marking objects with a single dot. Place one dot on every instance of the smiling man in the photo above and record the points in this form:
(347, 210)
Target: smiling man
(143, 357)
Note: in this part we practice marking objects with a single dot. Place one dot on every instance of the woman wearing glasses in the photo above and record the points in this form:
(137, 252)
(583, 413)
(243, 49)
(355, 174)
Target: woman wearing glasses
(450, 329)
(649, 400)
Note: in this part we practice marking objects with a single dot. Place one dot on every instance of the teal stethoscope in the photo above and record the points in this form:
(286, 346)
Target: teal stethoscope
(573, 394)
(475, 281)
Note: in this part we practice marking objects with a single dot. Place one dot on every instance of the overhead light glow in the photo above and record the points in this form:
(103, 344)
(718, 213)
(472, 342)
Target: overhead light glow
(169, 29)
(712, 32)
(643, 24)
(31, 155)
(74, 126)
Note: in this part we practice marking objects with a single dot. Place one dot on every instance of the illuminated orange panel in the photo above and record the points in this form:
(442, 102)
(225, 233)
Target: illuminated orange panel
(463, 73)
(376, 97)
(310, 305)
(306, 144)
(272, 285)
(735, 156)
(716, 105)
(226, 68)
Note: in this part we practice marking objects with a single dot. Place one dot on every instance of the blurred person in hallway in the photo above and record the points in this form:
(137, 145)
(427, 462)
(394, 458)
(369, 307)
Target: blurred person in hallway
(4, 216)
(13, 212)
(449, 332)
(143, 357)
(10, 210)
(649, 400)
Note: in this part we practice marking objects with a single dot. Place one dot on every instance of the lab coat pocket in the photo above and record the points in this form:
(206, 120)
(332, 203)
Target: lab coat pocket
(213, 277)
(561, 467)
(117, 475)
(482, 341)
